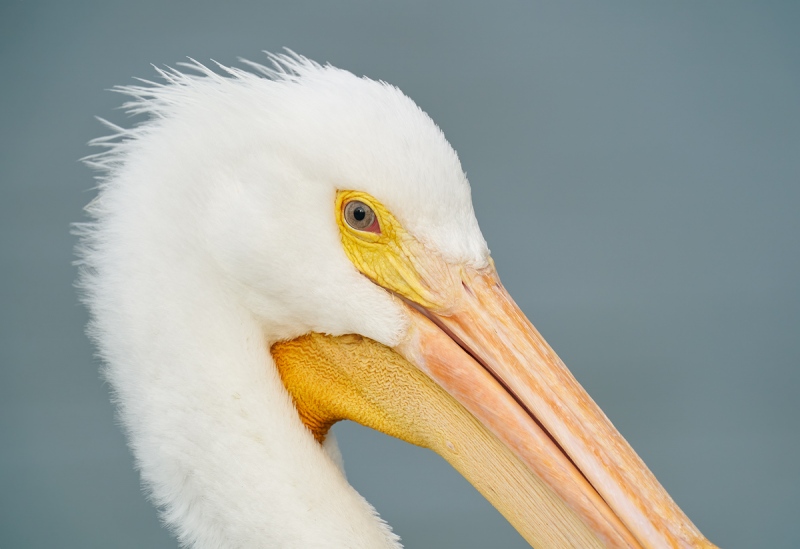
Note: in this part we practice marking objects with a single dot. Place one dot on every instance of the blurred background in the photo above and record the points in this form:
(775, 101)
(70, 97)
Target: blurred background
(635, 170)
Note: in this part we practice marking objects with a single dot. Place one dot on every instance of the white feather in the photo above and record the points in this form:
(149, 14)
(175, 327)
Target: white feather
(214, 236)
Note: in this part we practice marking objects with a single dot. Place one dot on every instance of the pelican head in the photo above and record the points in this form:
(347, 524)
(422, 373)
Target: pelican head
(278, 249)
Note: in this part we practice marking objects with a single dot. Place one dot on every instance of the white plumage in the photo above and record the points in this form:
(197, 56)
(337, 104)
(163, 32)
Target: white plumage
(212, 230)
(218, 231)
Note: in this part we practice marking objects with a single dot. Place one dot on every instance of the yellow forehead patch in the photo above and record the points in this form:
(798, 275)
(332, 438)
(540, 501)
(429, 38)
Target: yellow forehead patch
(395, 260)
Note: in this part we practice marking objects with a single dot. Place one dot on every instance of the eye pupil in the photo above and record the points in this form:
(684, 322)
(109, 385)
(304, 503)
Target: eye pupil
(360, 217)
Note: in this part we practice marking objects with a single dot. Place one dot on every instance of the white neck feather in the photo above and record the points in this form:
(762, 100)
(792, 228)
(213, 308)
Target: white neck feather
(219, 444)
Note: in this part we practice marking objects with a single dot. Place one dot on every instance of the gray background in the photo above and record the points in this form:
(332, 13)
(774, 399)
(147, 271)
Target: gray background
(635, 169)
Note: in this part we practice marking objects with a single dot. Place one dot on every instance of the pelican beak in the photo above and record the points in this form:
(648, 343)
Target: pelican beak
(474, 381)
(486, 354)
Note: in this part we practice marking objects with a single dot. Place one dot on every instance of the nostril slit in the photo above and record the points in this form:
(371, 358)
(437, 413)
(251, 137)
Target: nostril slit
(466, 288)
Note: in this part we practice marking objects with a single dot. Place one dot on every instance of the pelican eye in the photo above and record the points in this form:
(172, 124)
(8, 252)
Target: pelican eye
(361, 217)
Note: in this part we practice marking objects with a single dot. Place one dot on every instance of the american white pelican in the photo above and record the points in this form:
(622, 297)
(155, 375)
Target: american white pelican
(276, 250)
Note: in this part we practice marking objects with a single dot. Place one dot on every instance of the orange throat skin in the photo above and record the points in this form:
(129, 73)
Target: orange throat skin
(353, 377)
(322, 374)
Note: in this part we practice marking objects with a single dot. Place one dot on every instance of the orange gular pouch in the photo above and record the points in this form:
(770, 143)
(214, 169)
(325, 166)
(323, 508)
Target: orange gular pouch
(353, 377)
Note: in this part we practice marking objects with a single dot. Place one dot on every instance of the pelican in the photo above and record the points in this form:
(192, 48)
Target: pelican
(278, 248)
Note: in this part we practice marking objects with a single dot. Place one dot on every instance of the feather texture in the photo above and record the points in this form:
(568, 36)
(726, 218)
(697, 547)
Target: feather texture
(212, 236)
